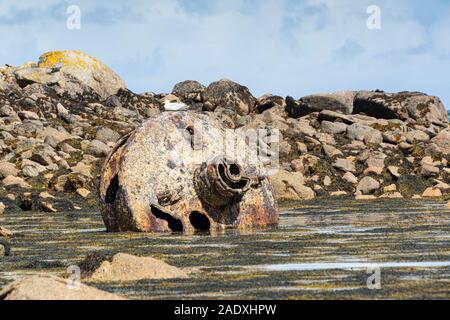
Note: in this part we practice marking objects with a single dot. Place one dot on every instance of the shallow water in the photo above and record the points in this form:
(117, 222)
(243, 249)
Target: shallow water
(324, 249)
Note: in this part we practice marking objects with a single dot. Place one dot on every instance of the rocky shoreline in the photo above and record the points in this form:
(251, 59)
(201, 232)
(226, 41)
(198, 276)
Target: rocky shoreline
(60, 117)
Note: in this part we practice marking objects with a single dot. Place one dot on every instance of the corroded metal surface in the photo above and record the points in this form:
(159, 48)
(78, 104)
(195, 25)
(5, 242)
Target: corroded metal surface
(171, 174)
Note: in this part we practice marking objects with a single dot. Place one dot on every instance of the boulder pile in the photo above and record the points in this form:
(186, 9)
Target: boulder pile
(60, 118)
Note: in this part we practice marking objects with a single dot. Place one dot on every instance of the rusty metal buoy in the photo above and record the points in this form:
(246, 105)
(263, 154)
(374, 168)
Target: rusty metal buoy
(170, 174)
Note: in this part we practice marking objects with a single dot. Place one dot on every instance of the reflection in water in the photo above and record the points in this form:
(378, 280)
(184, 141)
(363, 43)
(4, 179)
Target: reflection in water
(320, 250)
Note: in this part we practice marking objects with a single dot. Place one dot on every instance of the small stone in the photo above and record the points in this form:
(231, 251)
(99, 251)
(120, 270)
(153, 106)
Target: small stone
(327, 181)
(301, 147)
(8, 169)
(83, 192)
(429, 171)
(432, 193)
(365, 197)
(394, 171)
(29, 171)
(30, 115)
(5, 232)
(333, 127)
(331, 151)
(392, 195)
(405, 147)
(11, 197)
(368, 185)
(15, 181)
(105, 135)
(47, 206)
(350, 178)
(2, 207)
(338, 193)
(97, 149)
(448, 204)
(344, 165)
(390, 188)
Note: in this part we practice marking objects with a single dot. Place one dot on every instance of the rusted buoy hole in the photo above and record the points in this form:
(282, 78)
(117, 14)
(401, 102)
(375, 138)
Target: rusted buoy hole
(174, 224)
(233, 184)
(199, 221)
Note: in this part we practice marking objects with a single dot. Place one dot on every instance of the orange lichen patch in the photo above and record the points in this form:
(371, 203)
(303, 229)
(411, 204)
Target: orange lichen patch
(67, 58)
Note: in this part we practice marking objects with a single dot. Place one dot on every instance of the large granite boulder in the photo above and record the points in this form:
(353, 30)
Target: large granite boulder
(43, 287)
(416, 106)
(73, 72)
(230, 95)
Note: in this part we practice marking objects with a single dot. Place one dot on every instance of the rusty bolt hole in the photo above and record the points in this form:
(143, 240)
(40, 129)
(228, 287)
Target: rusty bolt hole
(199, 221)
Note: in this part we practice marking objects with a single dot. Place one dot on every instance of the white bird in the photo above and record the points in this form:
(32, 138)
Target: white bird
(175, 106)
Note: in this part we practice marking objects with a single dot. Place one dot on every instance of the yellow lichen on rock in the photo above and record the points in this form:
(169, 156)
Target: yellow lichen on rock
(86, 69)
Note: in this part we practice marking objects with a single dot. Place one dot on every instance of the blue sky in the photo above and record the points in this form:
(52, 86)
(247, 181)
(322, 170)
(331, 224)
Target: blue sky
(288, 47)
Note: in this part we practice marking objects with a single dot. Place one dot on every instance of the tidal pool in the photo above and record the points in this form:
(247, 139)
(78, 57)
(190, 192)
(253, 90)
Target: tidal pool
(324, 249)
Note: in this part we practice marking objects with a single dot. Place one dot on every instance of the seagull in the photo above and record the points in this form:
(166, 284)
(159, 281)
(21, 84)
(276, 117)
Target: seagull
(175, 106)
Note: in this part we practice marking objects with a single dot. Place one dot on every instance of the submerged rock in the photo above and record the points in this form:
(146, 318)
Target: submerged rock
(170, 175)
(126, 267)
(44, 287)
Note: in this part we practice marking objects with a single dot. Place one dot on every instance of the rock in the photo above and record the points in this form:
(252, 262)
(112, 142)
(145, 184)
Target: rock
(448, 204)
(332, 116)
(365, 197)
(30, 115)
(417, 136)
(333, 127)
(83, 192)
(89, 71)
(2, 207)
(350, 178)
(419, 107)
(392, 195)
(47, 206)
(269, 101)
(97, 149)
(105, 135)
(327, 181)
(338, 101)
(43, 155)
(405, 147)
(30, 171)
(394, 171)
(368, 185)
(390, 188)
(375, 163)
(432, 193)
(338, 193)
(289, 186)
(44, 287)
(230, 95)
(364, 133)
(331, 151)
(8, 169)
(15, 181)
(5, 233)
(189, 90)
(344, 165)
(125, 268)
(442, 141)
(429, 171)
